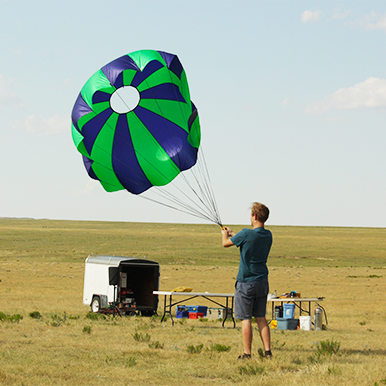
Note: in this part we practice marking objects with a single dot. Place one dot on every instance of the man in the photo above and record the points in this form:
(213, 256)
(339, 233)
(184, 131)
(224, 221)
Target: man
(252, 279)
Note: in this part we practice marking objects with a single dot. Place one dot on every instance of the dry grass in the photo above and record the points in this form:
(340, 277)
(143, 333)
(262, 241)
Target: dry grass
(41, 269)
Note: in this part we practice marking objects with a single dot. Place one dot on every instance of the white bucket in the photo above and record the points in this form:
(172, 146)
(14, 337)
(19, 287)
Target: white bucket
(305, 323)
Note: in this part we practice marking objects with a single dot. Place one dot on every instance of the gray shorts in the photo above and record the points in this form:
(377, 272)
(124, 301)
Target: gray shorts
(251, 299)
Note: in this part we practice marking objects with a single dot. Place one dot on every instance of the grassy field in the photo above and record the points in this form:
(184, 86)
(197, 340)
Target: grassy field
(47, 337)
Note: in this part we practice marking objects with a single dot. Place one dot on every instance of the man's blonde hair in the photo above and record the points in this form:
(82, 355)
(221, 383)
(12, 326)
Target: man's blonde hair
(260, 211)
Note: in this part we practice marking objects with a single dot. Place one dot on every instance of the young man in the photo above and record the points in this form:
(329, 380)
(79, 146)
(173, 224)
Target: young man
(252, 278)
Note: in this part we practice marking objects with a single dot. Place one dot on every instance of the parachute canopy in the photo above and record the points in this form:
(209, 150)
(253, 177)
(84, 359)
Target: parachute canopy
(134, 122)
(136, 128)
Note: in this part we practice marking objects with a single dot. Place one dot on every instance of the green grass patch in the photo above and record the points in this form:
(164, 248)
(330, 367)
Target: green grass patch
(220, 347)
(250, 369)
(66, 241)
(16, 318)
(139, 337)
(35, 315)
(195, 349)
(156, 345)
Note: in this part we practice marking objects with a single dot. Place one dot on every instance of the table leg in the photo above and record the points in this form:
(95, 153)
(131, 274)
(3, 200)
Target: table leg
(227, 311)
(168, 309)
(163, 316)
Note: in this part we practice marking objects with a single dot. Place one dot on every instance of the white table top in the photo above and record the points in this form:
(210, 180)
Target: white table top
(209, 294)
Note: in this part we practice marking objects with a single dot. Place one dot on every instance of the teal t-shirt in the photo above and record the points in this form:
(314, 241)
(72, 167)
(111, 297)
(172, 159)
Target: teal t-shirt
(254, 245)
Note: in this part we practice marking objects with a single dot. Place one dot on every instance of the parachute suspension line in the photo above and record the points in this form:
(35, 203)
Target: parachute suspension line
(180, 210)
(181, 204)
(208, 194)
(202, 179)
(188, 209)
(208, 186)
(202, 193)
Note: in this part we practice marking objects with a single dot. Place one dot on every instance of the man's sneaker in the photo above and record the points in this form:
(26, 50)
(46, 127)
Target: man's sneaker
(244, 356)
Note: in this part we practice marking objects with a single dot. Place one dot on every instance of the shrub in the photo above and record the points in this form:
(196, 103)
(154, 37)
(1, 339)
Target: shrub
(95, 316)
(220, 347)
(328, 348)
(35, 315)
(325, 348)
(251, 369)
(140, 337)
(87, 329)
(58, 320)
(131, 361)
(10, 318)
(195, 349)
(156, 344)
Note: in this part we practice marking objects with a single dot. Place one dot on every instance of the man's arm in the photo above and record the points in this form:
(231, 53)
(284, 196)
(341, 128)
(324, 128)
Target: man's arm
(227, 233)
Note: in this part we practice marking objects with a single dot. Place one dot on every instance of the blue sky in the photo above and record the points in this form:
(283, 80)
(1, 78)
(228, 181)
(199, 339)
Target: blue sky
(291, 97)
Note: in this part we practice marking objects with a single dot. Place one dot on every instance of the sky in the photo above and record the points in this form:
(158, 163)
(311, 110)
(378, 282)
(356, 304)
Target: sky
(291, 96)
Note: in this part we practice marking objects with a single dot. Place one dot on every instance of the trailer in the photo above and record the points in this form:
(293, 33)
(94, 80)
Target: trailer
(120, 284)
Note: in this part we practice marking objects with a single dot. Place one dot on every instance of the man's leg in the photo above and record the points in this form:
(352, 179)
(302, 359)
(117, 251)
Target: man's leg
(265, 333)
(246, 330)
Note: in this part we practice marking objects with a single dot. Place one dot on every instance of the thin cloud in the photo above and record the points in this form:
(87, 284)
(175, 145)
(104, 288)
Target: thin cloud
(338, 14)
(370, 94)
(34, 124)
(311, 16)
(372, 22)
(91, 187)
(286, 101)
(8, 97)
(69, 82)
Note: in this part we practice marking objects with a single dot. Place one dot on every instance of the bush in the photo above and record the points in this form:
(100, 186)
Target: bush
(156, 344)
(58, 320)
(325, 348)
(35, 315)
(140, 337)
(95, 316)
(195, 349)
(251, 370)
(10, 318)
(328, 348)
(220, 347)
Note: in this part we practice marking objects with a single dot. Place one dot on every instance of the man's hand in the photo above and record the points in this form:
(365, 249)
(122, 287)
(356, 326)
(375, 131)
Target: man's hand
(226, 234)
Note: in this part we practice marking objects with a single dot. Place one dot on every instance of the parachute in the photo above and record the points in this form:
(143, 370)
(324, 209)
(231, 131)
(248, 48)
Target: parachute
(136, 128)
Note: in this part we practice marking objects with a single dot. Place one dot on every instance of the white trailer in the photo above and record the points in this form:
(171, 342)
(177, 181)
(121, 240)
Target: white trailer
(126, 283)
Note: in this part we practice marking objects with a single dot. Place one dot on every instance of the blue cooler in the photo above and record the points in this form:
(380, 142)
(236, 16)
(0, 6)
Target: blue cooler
(288, 310)
(287, 324)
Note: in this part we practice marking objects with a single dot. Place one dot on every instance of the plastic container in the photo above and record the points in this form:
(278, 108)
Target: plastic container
(215, 313)
(201, 309)
(195, 315)
(305, 323)
(288, 310)
(182, 312)
(287, 324)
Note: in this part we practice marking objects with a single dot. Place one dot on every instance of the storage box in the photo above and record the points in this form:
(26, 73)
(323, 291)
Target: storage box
(195, 315)
(288, 310)
(201, 309)
(287, 324)
(305, 322)
(215, 313)
(182, 312)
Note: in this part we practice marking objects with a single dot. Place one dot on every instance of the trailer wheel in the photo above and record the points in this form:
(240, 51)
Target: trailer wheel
(95, 304)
